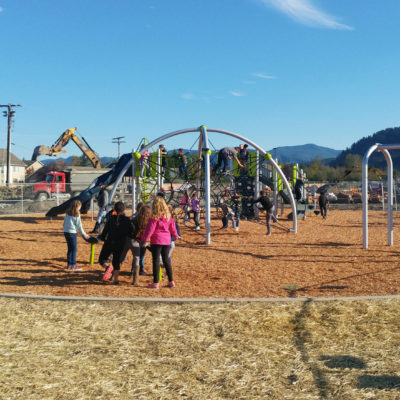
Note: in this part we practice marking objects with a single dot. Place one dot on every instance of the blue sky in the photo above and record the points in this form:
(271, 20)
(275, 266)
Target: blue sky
(280, 72)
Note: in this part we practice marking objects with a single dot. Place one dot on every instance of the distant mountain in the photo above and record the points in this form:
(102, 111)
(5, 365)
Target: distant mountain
(386, 136)
(305, 153)
(68, 160)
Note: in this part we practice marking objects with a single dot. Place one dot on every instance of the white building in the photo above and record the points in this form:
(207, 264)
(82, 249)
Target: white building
(17, 168)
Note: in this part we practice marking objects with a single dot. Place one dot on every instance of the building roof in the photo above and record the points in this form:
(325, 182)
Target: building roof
(28, 163)
(14, 160)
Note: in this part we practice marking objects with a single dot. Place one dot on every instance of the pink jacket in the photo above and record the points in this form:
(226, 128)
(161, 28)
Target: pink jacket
(159, 231)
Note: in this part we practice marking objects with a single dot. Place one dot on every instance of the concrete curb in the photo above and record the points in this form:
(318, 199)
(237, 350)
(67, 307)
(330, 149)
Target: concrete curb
(175, 300)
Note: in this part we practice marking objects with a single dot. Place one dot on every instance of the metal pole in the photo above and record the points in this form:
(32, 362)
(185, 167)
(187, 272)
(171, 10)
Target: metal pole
(257, 182)
(8, 144)
(390, 195)
(92, 208)
(133, 189)
(22, 198)
(365, 194)
(159, 169)
(206, 154)
(275, 175)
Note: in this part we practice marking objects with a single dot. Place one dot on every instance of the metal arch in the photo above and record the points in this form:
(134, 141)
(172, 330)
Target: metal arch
(272, 162)
(205, 143)
(383, 149)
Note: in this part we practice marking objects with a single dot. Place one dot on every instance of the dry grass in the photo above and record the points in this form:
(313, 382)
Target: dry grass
(302, 350)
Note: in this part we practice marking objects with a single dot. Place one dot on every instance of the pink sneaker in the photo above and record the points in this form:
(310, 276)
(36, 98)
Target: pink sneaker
(107, 274)
(153, 286)
(171, 284)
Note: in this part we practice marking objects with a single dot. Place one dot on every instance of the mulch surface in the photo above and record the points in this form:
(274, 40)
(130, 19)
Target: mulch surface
(325, 258)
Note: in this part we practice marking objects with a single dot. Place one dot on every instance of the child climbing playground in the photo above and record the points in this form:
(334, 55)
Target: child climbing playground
(224, 155)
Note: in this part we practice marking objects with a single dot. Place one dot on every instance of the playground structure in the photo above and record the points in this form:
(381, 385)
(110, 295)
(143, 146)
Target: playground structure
(204, 153)
(384, 149)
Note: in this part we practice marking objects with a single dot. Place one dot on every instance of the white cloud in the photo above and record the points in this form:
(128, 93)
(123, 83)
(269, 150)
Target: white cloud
(187, 96)
(236, 93)
(306, 13)
(1, 9)
(262, 75)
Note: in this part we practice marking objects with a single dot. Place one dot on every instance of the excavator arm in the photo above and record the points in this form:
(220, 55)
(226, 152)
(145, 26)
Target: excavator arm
(58, 148)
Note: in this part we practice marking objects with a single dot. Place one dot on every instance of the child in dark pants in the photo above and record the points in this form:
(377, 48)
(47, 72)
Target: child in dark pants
(236, 203)
(323, 204)
(195, 205)
(268, 207)
(117, 228)
(72, 225)
(158, 231)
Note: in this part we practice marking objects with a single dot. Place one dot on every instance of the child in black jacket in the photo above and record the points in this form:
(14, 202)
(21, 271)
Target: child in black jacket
(114, 234)
(268, 206)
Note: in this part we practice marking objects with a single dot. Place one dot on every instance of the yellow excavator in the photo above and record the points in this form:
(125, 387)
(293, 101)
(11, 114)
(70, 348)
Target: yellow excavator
(62, 141)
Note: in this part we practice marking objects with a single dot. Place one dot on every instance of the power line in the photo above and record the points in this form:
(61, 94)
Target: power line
(10, 113)
(119, 141)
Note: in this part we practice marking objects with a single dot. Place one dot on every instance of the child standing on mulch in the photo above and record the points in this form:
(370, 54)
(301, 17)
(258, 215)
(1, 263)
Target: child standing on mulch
(268, 207)
(72, 225)
(117, 228)
(138, 252)
(323, 204)
(227, 213)
(158, 231)
(195, 205)
(236, 205)
(184, 204)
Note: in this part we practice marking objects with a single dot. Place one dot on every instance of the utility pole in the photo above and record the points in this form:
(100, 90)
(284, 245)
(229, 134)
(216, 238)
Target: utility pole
(119, 141)
(9, 114)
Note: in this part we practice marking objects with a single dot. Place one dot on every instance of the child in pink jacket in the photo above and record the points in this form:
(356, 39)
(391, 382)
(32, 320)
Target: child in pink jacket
(158, 231)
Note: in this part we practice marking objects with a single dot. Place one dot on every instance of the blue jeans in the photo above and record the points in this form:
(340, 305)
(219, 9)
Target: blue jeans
(102, 213)
(222, 159)
(183, 171)
(72, 243)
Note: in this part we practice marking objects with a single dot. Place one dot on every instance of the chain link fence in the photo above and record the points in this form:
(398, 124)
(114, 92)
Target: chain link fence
(38, 198)
(348, 195)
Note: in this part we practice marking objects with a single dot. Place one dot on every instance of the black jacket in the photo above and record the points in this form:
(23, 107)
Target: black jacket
(117, 228)
(265, 202)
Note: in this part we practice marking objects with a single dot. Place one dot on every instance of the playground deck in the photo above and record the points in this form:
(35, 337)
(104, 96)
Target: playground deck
(324, 259)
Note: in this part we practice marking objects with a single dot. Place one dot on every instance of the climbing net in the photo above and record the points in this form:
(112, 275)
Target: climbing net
(183, 174)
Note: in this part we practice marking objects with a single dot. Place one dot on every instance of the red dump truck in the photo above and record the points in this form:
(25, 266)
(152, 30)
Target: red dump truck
(67, 183)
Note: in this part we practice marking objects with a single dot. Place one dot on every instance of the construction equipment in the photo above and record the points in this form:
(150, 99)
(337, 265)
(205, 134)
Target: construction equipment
(62, 141)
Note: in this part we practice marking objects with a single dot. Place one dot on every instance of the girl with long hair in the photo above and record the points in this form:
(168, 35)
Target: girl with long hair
(159, 229)
(72, 225)
(139, 225)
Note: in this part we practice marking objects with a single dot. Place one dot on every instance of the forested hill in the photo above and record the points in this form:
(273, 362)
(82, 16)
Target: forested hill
(387, 136)
(305, 153)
